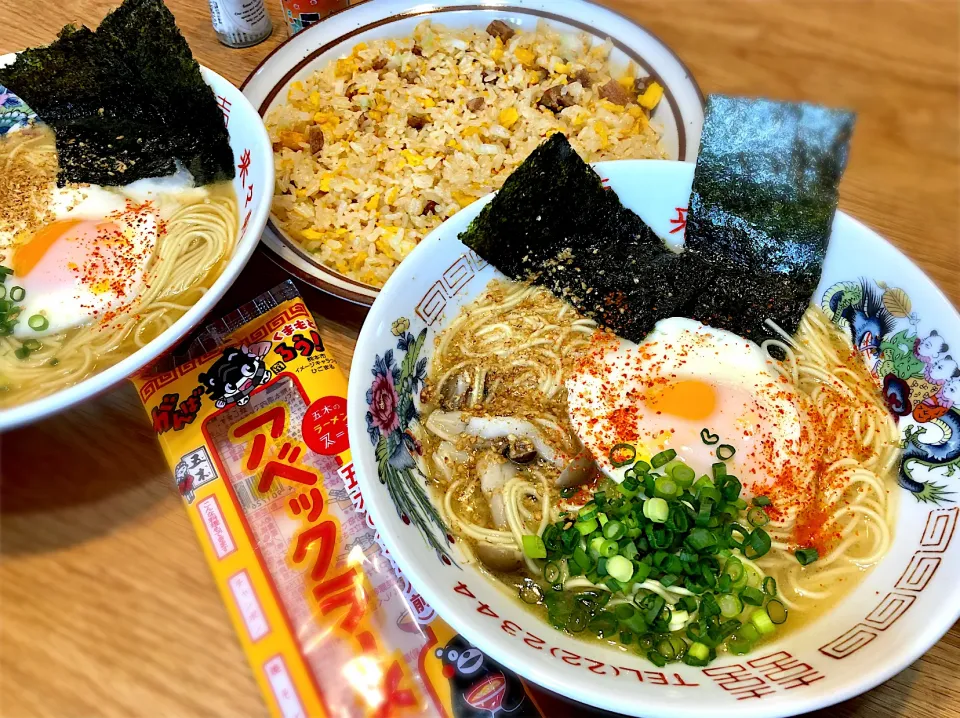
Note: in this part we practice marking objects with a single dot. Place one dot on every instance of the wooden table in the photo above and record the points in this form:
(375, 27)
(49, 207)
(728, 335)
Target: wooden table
(108, 608)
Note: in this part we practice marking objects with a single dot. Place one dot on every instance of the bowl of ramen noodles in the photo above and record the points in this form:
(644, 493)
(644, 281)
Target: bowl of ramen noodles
(390, 117)
(130, 199)
(669, 438)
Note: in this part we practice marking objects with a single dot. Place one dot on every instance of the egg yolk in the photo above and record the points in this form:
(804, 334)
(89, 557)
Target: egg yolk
(28, 255)
(688, 399)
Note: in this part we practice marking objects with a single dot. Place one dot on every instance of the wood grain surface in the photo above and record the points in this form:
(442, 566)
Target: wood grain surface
(106, 605)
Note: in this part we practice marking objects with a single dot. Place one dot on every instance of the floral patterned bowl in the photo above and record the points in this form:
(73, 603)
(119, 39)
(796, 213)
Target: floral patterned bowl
(253, 185)
(896, 315)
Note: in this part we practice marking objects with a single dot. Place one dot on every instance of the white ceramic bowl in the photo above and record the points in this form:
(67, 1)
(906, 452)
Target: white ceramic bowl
(904, 606)
(680, 114)
(253, 184)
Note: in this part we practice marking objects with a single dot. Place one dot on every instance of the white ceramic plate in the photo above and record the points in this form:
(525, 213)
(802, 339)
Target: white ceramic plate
(902, 608)
(253, 184)
(680, 114)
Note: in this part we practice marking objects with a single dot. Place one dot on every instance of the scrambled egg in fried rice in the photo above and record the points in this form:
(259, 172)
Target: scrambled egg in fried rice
(376, 149)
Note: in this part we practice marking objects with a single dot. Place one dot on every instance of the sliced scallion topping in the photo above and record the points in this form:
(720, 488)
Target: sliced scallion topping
(663, 457)
(757, 517)
(776, 611)
(17, 293)
(533, 547)
(761, 500)
(622, 454)
(725, 452)
(762, 622)
(38, 322)
(806, 556)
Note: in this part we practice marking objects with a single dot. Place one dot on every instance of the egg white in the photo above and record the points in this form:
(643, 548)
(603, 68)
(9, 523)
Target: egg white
(753, 408)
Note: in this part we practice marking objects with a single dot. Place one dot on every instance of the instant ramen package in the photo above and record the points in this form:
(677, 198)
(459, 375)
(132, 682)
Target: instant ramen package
(253, 424)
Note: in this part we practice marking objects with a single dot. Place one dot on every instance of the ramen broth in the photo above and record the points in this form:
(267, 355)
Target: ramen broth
(509, 356)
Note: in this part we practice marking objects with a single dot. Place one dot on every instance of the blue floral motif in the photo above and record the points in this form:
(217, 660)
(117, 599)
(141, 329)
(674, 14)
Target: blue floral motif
(13, 112)
(391, 410)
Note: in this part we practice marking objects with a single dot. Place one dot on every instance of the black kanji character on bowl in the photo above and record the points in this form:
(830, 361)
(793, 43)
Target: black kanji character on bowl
(234, 376)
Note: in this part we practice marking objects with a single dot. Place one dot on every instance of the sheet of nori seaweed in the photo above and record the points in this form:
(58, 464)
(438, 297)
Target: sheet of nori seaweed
(124, 101)
(553, 222)
(765, 191)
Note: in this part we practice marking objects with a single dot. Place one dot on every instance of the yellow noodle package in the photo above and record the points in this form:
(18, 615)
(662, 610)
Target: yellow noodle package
(253, 425)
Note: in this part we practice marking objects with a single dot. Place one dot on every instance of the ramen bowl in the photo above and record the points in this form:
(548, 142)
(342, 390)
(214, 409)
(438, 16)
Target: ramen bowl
(252, 184)
(897, 612)
(679, 114)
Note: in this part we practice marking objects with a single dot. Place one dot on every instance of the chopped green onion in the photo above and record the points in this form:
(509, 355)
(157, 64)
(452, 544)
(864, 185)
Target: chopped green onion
(614, 530)
(32, 344)
(719, 469)
(730, 605)
(738, 645)
(683, 475)
(21, 352)
(608, 549)
(663, 457)
(630, 487)
(584, 562)
(749, 632)
(578, 620)
(699, 651)
(17, 294)
(806, 556)
(762, 622)
(622, 454)
(776, 611)
(3, 291)
(38, 322)
(707, 438)
(666, 488)
(656, 509)
(620, 568)
(603, 624)
(569, 491)
(587, 512)
(641, 467)
(751, 596)
(701, 538)
(757, 545)
(586, 527)
(551, 573)
(533, 546)
(761, 500)
(725, 452)
(770, 586)
(731, 488)
(757, 517)
(656, 659)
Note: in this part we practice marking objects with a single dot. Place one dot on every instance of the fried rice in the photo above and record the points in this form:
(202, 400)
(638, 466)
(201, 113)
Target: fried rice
(376, 149)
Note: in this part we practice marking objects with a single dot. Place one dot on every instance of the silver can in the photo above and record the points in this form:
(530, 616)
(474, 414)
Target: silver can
(240, 23)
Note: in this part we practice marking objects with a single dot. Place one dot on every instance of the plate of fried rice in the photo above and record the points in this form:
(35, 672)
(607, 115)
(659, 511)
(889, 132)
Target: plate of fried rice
(388, 118)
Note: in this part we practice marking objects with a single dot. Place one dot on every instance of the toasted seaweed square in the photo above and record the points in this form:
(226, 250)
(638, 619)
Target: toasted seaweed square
(124, 101)
(765, 191)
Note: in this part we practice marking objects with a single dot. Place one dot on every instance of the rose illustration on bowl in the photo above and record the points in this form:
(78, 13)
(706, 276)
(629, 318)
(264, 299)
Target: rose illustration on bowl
(383, 402)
